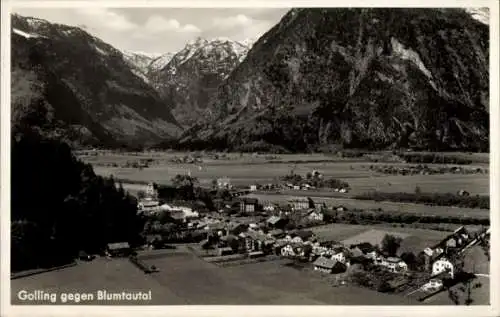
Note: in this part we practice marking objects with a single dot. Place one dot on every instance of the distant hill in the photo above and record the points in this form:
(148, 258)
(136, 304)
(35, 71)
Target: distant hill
(374, 78)
(88, 86)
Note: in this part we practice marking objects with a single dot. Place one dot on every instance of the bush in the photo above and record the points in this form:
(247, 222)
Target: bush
(435, 199)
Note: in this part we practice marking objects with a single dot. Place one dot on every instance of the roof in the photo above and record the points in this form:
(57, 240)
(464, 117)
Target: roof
(118, 245)
(225, 249)
(273, 219)
(216, 226)
(393, 259)
(299, 199)
(325, 262)
(257, 236)
(249, 200)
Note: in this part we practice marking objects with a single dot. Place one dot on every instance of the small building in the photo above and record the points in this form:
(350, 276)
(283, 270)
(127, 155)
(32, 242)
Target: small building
(253, 188)
(442, 265)
(148, 205)
(367, 250)
(224, 183)
(237, 228)
(248, 204)
(151, 191)
(299, 203)
(224, 251)
(315, 215)
(326, 265)
(118, 249)
(276, 222)
(339, 255)
(394, 264)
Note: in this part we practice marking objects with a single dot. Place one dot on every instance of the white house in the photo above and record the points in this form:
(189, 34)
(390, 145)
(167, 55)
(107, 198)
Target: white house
(394, 264)
(339, 256)
(315, 215)
(442, 265)
(287, 250)
(433, 285)
(253, 188)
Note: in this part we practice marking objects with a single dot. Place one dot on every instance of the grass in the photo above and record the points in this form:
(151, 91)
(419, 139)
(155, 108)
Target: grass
(114, 275)
(247, 170)
(384, 205)
(264, 283)
(350, 234)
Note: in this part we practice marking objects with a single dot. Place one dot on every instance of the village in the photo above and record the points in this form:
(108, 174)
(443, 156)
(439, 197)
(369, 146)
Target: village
(239, 229)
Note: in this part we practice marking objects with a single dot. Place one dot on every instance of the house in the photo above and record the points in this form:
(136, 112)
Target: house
(296, 187)
(367, 250)
(256, 241)
(224, 251)
(394, 264)
(237, 228)
(315, 215)
(289, 249)
(248, 204)
(224, 183)
(148, 205)
(276, 222)
(433, 285)
(299, 203)
(269, 207)
(118, 249)
(326, 265)
(151, 191)
(442, 265)
(338, 254)
(253, 188)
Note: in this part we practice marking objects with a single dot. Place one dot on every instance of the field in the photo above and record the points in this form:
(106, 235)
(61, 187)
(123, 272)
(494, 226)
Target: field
(114, 275)
(248, 169)
(384, 205)
(185, 279)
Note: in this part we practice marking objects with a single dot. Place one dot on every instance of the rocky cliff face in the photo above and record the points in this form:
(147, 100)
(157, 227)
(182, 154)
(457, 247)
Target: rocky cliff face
(89, 85)
(372, 78)
(193, 75)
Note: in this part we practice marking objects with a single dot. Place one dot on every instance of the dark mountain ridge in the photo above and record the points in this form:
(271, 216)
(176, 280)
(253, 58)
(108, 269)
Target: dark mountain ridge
(88, 85)
(362, 78)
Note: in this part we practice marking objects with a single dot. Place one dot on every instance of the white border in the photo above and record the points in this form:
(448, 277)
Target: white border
(8, 310)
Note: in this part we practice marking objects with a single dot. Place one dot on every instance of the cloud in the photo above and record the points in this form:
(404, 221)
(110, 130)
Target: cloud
(157, 24)
(241, 26)
(107, 19)
(232, 21)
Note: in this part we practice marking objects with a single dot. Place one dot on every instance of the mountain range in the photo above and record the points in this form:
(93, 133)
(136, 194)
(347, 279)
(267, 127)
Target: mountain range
(374, 78)
(88, 85)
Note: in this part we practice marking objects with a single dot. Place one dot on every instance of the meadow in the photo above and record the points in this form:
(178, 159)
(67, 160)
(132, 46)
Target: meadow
(249, 169)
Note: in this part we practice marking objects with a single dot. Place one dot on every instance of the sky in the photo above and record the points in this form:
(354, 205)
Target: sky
(161, 30)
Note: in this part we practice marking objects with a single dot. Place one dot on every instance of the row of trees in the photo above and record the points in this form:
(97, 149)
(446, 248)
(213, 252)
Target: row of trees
(437, 199)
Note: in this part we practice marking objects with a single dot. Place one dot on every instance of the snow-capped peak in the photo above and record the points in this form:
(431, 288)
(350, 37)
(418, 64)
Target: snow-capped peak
(140, 53)
(25, 34)
(160, 62)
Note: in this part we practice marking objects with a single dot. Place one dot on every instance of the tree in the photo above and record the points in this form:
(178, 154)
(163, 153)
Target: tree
(214, 183)
(391, 244)
(418, 191)
(141, 194)
(410, 259)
